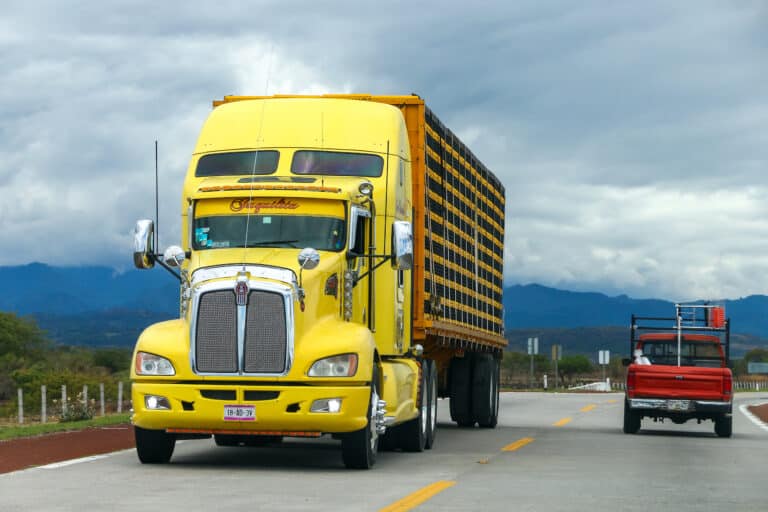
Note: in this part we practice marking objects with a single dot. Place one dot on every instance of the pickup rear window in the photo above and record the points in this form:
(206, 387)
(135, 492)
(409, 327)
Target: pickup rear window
(692, 352)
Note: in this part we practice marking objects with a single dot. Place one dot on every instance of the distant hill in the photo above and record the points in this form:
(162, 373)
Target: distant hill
(102, 307)
(536, 306)
(42, 289)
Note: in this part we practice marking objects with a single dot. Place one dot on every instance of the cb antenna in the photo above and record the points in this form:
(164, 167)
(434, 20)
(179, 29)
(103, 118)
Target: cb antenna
(157, 206)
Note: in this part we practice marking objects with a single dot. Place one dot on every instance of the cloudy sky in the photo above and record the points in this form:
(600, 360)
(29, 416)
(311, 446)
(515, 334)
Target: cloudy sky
(632, 137)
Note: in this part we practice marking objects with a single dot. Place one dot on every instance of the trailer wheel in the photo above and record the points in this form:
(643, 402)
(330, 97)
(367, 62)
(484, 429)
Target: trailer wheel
(460, 386)
(154, 446)
(724, 426)
(358, 449)
(485, 390)
(413, 433)
(431, 404)
(631, 420)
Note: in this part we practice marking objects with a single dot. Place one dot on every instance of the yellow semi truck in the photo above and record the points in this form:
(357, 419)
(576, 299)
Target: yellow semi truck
(341, 268)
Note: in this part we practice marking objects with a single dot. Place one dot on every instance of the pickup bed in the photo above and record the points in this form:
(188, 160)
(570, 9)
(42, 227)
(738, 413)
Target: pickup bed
(687, 378)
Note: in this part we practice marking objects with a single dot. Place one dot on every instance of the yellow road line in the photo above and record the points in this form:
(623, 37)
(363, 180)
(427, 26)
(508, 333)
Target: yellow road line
(517, 444)
(562, 422)
(418, 497)
(612, 401)
(588, 408)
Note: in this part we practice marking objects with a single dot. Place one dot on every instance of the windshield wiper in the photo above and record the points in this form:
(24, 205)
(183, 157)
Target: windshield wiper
(274, 242)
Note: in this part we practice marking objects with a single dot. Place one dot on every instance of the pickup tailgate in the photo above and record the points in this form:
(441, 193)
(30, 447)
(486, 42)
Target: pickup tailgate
(690, 382)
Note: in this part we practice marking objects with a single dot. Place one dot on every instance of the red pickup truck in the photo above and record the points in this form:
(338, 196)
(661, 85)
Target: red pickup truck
(680, 371)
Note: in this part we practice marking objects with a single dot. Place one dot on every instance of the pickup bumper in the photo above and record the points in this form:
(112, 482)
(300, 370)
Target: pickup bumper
(277, 410)
(680, 406)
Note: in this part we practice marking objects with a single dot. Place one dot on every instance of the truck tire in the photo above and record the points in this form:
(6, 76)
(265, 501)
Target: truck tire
(460, 388)
(358, 449)
(631, 420)
(413, 433)
(431, 404)
(154, 446)
(485, 390)
(724, 426)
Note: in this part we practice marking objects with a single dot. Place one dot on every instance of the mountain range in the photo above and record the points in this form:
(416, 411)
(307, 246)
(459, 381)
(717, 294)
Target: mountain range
(100, 306)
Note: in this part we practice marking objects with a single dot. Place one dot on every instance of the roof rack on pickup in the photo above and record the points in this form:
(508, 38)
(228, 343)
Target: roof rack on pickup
(706, 318)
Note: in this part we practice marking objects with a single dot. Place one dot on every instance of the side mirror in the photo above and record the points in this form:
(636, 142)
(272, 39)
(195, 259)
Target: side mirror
(174, 256)
(144, 244)
(402, 245)
(309, 258)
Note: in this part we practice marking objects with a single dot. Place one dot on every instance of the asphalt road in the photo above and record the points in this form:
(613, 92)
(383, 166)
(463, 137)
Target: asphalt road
(549, 452)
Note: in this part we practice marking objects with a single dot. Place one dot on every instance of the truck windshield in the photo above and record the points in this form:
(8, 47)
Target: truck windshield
(692, 353)
(225, 231)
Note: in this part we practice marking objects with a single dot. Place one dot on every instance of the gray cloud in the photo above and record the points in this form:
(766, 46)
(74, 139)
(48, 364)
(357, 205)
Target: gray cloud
(632, 138)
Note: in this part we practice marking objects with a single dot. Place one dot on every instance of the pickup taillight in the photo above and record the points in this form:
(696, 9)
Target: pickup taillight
(727, 384)
(630, 381)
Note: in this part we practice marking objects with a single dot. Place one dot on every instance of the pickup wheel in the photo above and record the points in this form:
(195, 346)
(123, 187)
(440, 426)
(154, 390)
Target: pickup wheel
(631, 420)
(431, 404)
(485, 390)
(154, 446)
(724, 426)
(413, 433)
(358, 449)
(460, 386)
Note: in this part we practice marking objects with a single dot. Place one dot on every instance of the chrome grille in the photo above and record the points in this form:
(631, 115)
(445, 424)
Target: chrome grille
(265, 333)
(216, 333)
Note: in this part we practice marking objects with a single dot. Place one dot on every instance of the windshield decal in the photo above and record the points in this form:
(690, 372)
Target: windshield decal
(255, 205)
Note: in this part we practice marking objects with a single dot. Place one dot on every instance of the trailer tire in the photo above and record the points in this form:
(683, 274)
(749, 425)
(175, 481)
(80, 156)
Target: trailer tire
(413, 433)
(460, 386)
(631, 420)
(431, 404)
(724, 426)
(485, 390)
(358, 449)
(154, 446)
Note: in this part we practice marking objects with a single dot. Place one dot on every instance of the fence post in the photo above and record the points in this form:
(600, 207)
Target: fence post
(21, 406)
(101, 397)
(43, 404)
(63, 399)
(85, 396)
(120, 397)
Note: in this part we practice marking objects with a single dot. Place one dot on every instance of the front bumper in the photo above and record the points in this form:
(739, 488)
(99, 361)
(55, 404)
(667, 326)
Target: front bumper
(199, 407)
(680, 406)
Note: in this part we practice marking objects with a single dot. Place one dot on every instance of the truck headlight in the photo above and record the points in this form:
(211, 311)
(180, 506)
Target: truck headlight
(150, 364)
(344, 365)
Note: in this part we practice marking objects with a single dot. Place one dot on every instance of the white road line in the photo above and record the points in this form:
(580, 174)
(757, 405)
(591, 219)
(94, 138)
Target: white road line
(752, 417)
(71, 462)
(57, 465)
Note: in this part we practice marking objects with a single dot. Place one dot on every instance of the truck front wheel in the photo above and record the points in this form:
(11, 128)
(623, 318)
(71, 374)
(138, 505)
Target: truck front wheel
(724, 426)
(154, 446)
(631, 420)
(358, 449)
(413, 433)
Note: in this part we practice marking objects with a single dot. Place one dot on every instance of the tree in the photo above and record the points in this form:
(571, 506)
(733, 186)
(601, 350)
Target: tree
(569, 366)
(22, 344)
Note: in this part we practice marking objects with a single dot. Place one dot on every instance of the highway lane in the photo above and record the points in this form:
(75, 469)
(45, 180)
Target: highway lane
(550, 452)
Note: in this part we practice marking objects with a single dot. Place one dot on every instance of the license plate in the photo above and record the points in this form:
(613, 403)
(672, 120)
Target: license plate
(678, 405)
(239, 413)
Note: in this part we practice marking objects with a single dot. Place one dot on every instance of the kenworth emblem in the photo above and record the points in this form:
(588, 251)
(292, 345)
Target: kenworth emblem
(241, 292)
